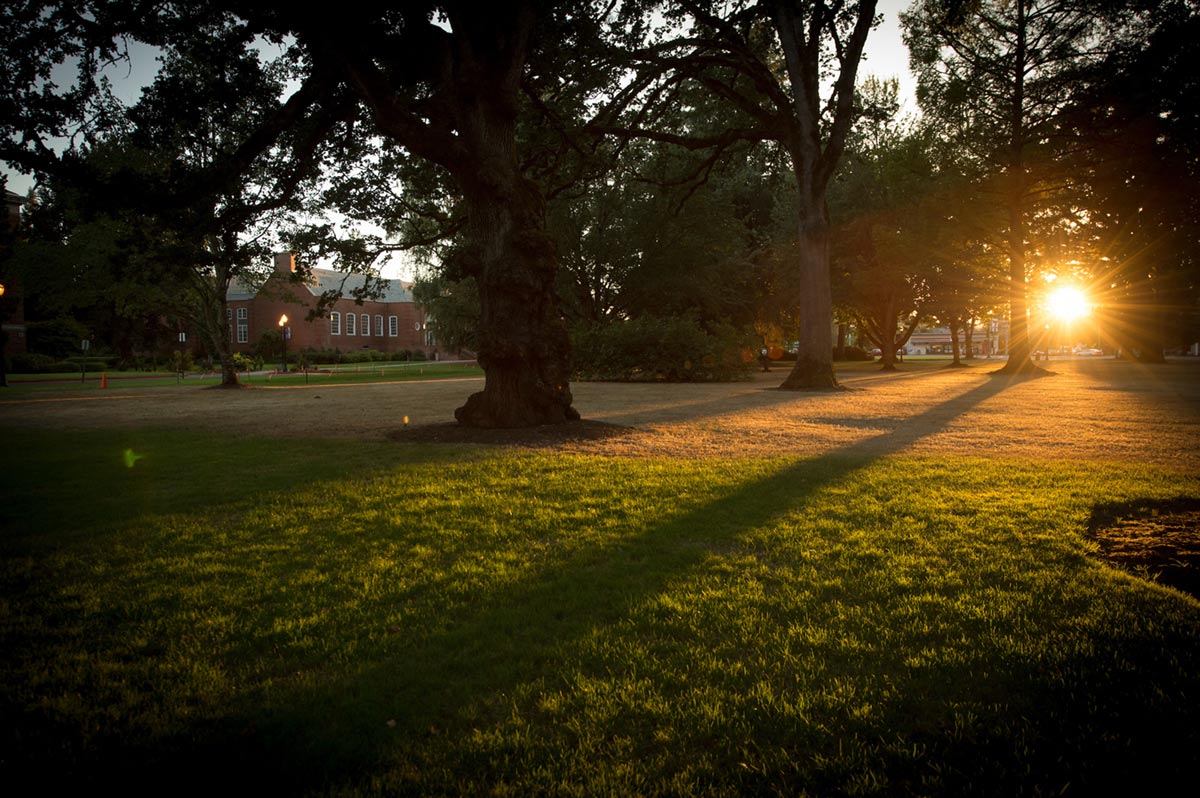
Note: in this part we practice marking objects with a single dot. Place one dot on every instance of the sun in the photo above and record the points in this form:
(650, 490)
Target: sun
(1067, 303)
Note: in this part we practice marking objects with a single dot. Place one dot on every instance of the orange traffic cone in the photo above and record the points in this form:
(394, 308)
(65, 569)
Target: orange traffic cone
(104, 379)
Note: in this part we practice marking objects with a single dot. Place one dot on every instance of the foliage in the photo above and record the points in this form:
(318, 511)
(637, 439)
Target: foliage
(999, 78)
(658, 348)
(1135, 169)
(452, 310)
(59, 338)
(762, 68)
(33, 363)
(888, 225)
(636, 242)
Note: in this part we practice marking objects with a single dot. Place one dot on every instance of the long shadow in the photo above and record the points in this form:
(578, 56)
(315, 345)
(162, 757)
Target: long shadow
(315, 736)
(767, 396)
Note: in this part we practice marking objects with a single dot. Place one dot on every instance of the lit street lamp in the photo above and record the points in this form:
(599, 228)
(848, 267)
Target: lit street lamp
(3, 346)
(285, 332)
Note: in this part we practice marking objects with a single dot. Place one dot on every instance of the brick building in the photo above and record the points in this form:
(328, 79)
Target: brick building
(388, 324)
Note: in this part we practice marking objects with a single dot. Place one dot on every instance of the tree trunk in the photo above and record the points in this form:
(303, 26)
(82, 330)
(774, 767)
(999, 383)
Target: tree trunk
(1019, 344)
(880, 328)
(523, 344)
(813, 369)
(969, 337)
(957, 361)
(214, 326)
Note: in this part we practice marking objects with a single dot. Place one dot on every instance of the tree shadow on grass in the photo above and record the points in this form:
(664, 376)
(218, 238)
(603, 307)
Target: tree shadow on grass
(425, 697)
(318, 737)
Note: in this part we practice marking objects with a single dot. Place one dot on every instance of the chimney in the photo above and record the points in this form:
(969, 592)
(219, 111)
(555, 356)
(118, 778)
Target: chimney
(285, 263)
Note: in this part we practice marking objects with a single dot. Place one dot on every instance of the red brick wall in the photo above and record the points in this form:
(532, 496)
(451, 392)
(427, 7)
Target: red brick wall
(279, 296)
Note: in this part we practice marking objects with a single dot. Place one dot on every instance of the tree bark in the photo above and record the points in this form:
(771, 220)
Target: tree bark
(523, 344)
(957, 361)
(813, 369)
(1019, 345)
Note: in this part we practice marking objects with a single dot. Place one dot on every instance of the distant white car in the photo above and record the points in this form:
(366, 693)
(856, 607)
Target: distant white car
(1089, 352)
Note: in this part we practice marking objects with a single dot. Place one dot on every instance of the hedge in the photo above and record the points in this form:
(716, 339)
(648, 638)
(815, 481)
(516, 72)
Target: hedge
(658, 349)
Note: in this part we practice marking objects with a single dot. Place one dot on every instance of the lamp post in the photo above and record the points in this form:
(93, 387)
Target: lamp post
(3, 344)
(284, 333)
(182, 341)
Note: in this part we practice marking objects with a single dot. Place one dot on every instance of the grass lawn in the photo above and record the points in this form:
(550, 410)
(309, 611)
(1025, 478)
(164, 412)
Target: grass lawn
(22, 384)
(191, 613)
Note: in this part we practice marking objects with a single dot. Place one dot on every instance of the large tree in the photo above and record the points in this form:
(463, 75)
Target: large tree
(1136, 169)
(769, 61)
(1001, 74)
(442, 80)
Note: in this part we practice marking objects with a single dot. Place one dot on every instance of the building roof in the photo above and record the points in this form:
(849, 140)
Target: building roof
(329, 280)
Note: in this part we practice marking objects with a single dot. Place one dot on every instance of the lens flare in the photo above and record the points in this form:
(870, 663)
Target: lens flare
(1067, 303)
(131, 457)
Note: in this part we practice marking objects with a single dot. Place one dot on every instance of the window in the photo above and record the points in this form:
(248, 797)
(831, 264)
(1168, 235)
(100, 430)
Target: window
(351, 320)
(379, 326)
(243, 326)
(335, 323)
(365, 327)
(393, 326)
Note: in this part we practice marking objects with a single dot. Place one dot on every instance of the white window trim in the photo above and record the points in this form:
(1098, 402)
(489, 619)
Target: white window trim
(393, 326)
(378, 325)
(364, 325)
(335, 323)
(351, 324)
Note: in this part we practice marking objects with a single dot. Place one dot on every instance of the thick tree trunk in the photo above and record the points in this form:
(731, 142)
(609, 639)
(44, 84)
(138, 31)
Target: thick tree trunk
(969, 338)
(814, 353)
(957, 353)
(523, 344)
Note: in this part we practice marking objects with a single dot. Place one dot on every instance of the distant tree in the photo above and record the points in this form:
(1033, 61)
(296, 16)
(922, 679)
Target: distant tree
(1001, 75)
(1136, 166)
(886, 228)
(767, 61)
(644, 239)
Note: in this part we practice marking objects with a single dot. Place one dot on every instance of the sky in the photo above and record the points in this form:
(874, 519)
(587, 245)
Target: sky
(885, 57)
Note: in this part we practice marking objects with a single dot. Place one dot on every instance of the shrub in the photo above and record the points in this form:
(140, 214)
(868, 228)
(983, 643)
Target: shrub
(32, 363)
(669, 349)
(58, 338)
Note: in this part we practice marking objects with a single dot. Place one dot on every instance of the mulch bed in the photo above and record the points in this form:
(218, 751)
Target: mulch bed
(1159, 540)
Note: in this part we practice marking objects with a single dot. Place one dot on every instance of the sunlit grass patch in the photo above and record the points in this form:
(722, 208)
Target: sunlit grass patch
(351, 616)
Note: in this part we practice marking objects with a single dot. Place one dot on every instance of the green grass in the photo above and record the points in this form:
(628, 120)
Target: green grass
(350, 617)
(23, 384)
